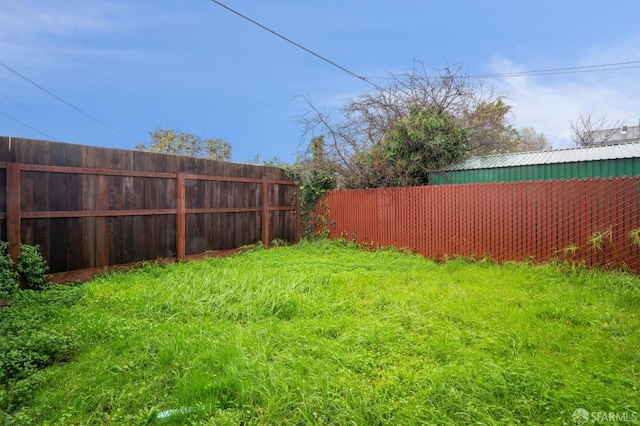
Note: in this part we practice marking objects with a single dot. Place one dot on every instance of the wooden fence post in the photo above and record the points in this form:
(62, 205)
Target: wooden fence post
(181, 237)
(265, 211)
(13, 210)
(298, 212)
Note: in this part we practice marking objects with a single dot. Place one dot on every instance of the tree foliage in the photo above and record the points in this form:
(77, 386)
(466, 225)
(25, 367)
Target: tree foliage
(180, 143)
(494, 134)
(423, 141)
(376, 131)
(316, 176)
(527, 139)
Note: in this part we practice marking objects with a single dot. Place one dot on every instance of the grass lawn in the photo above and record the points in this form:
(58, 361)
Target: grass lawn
(325, 333)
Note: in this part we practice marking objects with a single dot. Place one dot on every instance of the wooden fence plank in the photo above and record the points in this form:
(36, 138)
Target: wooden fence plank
(88, 203)
(58, 202)
(181, 244)
(74, 196)
(41, 200)
(103, 237)
(13, 210)
(3, 202)
(265, 212)
(116, 200)
(29, 183)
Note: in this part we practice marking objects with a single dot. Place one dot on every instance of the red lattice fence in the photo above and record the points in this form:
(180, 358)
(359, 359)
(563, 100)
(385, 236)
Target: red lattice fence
(595, 221)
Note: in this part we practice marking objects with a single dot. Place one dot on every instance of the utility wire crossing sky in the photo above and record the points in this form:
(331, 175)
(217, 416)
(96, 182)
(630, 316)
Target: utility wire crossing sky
(127, 69)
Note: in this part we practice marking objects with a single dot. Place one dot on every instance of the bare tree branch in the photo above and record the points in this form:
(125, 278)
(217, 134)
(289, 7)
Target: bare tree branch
(589, 130)
(366, 120)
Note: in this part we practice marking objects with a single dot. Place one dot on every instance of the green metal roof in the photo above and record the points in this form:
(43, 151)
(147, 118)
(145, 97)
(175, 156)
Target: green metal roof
(570, 155)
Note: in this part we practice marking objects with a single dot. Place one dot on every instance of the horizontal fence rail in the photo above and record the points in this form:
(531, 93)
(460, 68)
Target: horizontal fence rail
(86, 218)
(595, 221)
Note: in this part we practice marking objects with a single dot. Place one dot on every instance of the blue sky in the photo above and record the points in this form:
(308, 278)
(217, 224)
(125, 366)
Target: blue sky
(194, 66)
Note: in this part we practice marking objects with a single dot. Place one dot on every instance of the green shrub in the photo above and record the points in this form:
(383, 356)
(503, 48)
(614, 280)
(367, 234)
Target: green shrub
(8, 277)
(32, 267)
(635, 237)
(32, 338)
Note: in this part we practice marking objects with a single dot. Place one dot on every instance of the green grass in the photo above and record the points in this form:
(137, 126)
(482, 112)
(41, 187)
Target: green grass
(324, 333)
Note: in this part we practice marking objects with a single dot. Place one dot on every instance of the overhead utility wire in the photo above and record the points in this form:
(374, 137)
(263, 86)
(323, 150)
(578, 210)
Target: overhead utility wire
(65, 102)
(30, 110)
(568, 70)
(26, 125)
(288, 40)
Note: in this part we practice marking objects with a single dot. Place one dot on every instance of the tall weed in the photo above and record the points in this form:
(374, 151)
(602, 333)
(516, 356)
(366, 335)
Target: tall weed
(327, 333)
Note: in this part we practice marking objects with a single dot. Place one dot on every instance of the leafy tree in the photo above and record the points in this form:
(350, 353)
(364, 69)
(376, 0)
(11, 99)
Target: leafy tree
(493, 134)
(179, 143)
(352, 141)
(360, 141)
(527, 139)
(423, 141)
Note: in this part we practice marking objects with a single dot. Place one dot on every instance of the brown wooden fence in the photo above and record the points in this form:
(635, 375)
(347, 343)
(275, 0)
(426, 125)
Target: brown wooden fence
(90, 207)
(588, 220)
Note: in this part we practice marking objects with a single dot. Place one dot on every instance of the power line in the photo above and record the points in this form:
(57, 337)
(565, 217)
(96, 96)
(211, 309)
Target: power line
(553, 71)
(567, 70)
(30, 110)
(102, 123)
(298, 45)
(26, 125)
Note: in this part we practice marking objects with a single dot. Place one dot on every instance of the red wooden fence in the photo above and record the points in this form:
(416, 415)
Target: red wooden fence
(583, 220)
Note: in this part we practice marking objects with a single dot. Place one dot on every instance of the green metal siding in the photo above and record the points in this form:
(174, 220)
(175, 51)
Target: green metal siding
(585, 169)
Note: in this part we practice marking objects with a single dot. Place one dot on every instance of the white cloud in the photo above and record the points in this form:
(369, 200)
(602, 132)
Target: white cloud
(550, 103)
(42, 33)
(25, 19)
(36, 34)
